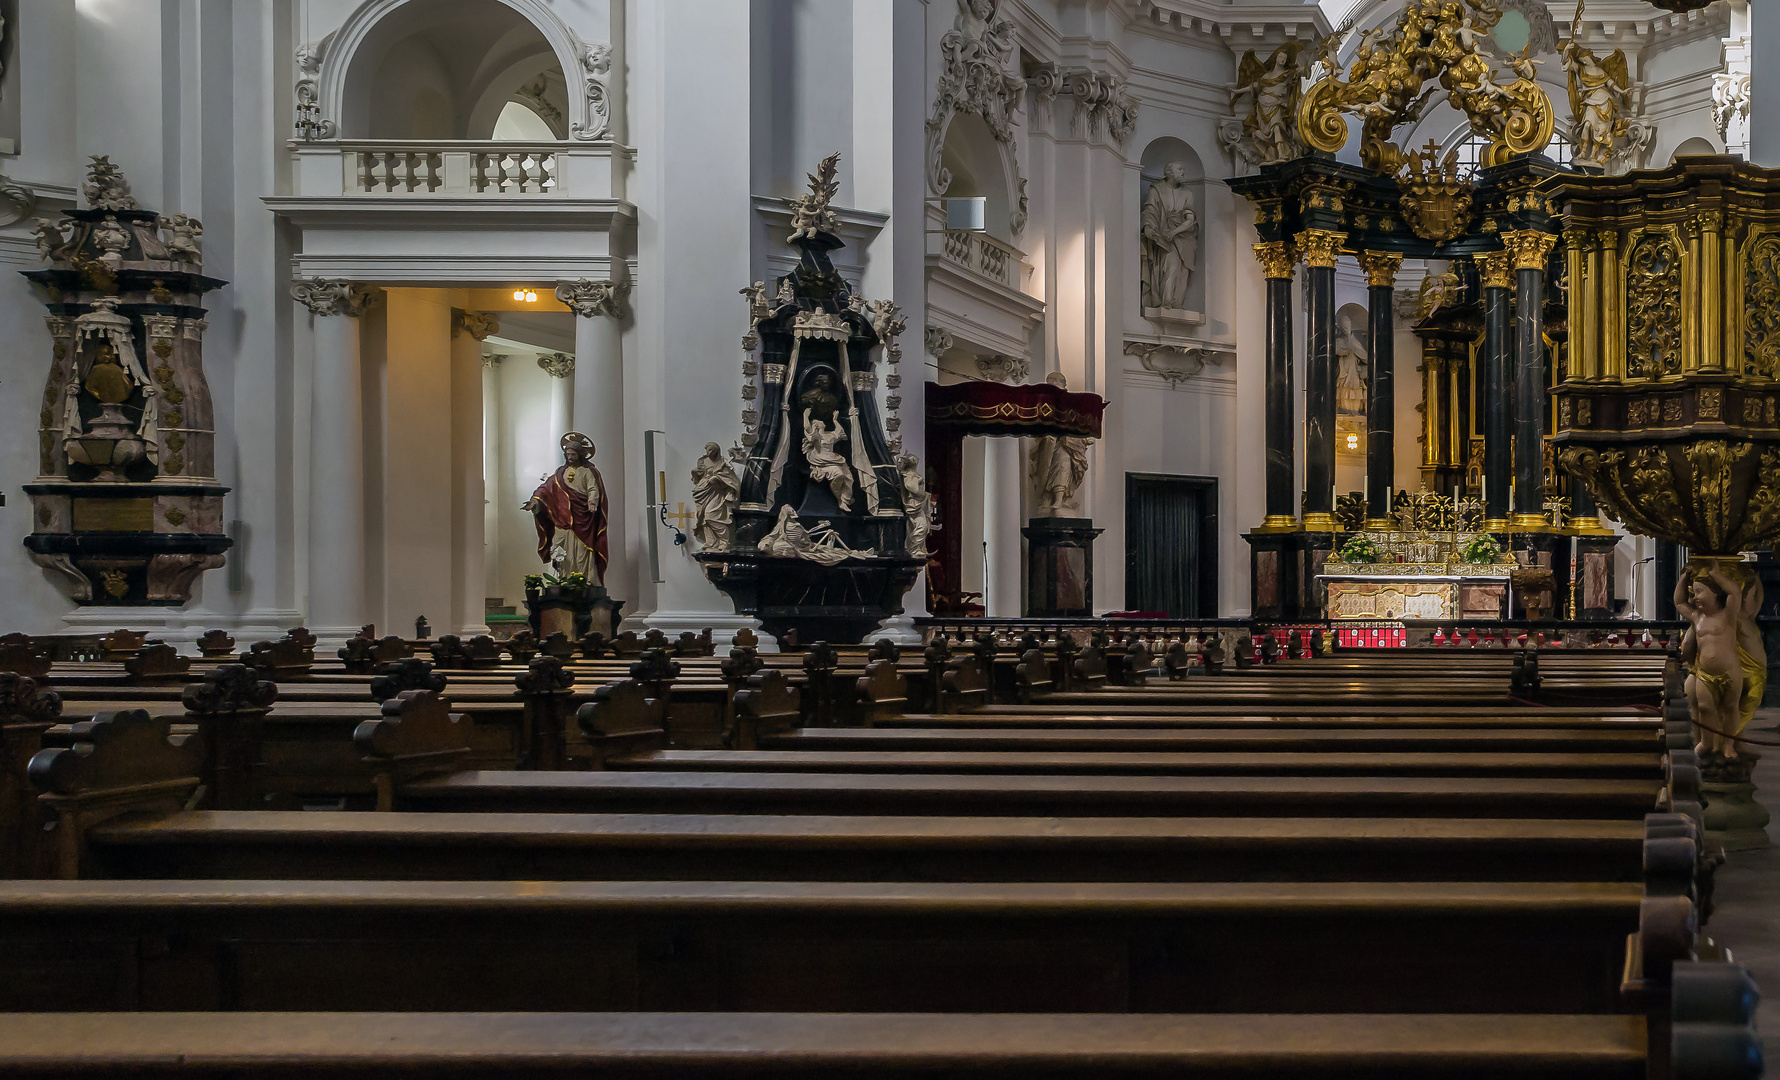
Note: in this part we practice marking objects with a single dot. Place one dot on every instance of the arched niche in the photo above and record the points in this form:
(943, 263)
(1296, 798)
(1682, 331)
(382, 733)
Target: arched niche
(445, 69)
(1156, 158)
(974, 158)
(1695, 145)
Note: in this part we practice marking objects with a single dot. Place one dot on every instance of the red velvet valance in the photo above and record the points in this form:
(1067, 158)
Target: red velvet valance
(991, 408)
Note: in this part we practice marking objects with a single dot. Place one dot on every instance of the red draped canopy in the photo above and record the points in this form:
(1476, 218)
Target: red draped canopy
(991, 408)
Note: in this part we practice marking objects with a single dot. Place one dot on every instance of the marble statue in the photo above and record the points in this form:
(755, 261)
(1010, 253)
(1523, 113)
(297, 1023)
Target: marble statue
(570, 511)
(1599, 88)
(1350, 370)
(715, 488)
(49, 237)
(790, 540)
(827, 465)
(183, 233)
(810, 213)
(113, 240)
(1270, 129)
(916, 504)
(1724, 654)
(1170, 236)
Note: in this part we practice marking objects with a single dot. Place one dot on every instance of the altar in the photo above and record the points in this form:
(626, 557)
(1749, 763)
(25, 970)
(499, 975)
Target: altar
(1376, 576)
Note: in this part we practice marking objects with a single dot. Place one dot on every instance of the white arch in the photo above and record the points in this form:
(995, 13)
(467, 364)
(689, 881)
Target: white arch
(339, 49)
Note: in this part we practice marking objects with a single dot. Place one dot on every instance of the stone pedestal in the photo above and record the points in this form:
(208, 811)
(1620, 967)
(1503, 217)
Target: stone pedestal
(1060, 567)
(1734, 819)
(1275, 581)
(574, 612)
(1594, 591)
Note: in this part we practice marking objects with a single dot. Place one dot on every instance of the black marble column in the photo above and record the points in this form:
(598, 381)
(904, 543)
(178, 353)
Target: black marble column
(1278, 261)
(1381, 393)
(1321, 249)
(1495, 395)
(1530, 250)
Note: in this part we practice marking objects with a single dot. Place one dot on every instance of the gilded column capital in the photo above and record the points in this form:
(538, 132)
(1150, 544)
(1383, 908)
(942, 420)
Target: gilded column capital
(1530, 247)
(1381, 267)
(588, 298)
(1278, 258)
(1580, 238)
(324, 297)
(1321, 247)
(1496, 269)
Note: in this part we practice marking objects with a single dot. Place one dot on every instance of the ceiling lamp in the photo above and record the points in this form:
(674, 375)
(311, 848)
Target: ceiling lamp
(526, 296)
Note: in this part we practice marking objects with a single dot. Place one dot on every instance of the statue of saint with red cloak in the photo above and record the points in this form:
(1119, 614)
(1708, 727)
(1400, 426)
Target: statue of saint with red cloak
(572, 502)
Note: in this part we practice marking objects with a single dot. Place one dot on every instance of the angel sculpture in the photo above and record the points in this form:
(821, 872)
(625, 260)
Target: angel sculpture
(1599, 89)
(1272, 88)
(1437, 290)
(810, 213)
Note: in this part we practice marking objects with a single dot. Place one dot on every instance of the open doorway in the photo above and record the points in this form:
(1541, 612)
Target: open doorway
(1171, 545)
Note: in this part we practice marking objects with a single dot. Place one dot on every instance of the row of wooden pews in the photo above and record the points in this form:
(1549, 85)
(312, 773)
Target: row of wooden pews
(1003, 858)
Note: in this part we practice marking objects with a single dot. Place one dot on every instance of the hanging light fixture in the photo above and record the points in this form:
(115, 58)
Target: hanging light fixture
(526, 296)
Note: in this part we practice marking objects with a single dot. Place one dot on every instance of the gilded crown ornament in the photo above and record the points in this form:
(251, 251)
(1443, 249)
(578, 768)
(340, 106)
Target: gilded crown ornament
(1387, 86)
(1435, 199)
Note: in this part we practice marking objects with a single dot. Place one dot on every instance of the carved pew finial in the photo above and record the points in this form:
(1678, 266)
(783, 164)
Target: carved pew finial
(118, 763)
(417, 736)
(226, 707)
(399, 676)
(157, 661)
(622, 720)
(883, 690)
(547, 687)
(23, 656)
(766, 705)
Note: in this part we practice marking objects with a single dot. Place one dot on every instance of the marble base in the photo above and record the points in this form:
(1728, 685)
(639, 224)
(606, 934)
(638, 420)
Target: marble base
(899, 629)
(1734, 819)
(1174, 315)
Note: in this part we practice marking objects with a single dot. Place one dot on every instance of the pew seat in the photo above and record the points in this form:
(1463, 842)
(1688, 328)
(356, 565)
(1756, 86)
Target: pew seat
(473, 846)
(1213, 761)
(1635, 739)
(634, 1046)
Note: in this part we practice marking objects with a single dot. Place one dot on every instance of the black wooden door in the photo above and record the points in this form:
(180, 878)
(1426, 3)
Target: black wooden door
(1171, 545)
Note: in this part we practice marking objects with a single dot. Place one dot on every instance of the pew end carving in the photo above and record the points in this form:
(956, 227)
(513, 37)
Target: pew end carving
(766, 705)
(883, 691)
(417, 736)
(623, 720)
(125, 762)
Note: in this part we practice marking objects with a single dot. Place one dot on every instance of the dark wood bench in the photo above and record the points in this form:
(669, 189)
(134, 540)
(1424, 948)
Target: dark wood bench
(1525, 947)
(1639, 739)
(812, 847)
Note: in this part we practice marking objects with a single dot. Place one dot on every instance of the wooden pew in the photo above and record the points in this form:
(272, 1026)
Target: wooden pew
(1525, 947)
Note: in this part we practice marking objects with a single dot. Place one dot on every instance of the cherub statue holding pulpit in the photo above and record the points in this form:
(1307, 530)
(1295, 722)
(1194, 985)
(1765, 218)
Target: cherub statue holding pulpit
(572, 502)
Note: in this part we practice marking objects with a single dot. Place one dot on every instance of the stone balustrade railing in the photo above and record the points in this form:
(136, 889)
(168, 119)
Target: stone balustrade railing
(500, 170)
(984, 255)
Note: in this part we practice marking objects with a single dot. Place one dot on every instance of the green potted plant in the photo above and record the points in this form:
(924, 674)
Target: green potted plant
(1481, 548)
(1361, 549)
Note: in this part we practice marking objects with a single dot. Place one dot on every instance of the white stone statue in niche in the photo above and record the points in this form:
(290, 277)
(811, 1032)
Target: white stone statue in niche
(827, 465)
(715, 489)
(1350, 368)
(1170, 236)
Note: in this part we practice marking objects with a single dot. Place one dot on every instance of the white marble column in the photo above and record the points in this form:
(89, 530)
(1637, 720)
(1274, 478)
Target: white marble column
(337, 604)
(1002, 484)
(469, 549)
(1764, 89)
(597, 411)
(561, 369)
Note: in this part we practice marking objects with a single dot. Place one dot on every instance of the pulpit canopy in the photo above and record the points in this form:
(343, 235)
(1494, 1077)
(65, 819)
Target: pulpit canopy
(992, 408)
